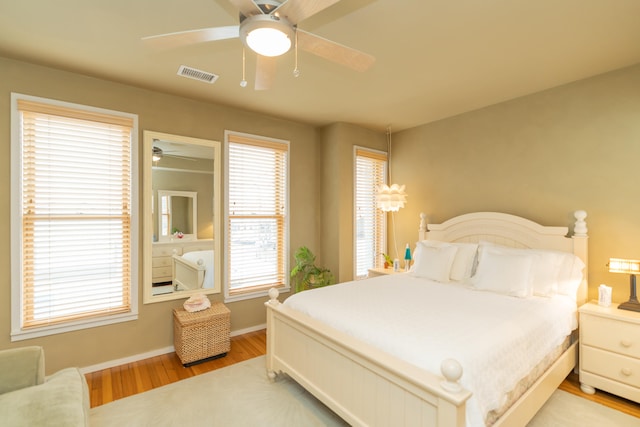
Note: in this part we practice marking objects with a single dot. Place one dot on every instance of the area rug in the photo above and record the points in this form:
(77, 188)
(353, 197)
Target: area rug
(241, 395)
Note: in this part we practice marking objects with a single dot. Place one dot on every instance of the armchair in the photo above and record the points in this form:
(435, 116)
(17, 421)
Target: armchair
(28, 398)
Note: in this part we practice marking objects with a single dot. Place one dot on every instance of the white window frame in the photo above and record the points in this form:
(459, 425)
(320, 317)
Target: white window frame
(17, 331)
(377, 262)
(285, 287)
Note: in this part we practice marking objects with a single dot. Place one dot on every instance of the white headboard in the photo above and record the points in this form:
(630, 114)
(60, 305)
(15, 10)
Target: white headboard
(513, 231)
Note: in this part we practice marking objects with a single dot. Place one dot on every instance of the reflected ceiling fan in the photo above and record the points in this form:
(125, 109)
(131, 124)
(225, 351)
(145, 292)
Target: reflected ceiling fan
(158, 153)
(270, 29)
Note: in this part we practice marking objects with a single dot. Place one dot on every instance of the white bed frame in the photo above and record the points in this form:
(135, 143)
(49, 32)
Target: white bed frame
(187, 275)
(367, 387)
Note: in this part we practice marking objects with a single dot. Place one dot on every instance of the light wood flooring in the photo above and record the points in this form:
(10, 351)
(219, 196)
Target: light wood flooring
(122, 381)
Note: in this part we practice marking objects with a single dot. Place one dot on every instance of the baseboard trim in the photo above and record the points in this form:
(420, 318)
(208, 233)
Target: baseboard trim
(158, 352)
(248, 330)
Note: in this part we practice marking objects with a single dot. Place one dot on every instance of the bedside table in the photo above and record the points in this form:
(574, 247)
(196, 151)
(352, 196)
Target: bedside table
(610, 350)
(373, 272)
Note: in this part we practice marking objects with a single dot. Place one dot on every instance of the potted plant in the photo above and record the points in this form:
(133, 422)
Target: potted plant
(388, 262)
(305, 274)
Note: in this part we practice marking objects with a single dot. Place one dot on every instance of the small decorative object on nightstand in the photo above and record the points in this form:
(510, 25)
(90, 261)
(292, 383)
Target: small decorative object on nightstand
(610, 350)
(407, 258)
(631, 267)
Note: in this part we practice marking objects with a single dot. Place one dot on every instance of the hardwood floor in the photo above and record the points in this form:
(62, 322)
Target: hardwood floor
(126, 380)
(121, 381)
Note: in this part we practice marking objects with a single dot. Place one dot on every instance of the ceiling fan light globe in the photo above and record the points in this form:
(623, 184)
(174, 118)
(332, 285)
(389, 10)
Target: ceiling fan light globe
(267, 35)
(268, 42)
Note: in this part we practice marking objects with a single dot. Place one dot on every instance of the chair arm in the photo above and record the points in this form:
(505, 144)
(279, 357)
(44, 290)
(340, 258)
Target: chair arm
(21, 367)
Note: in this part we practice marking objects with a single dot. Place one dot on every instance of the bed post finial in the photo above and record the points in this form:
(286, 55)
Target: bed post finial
(423, 223)
(580, 228)
(451, 369)
(273, 296)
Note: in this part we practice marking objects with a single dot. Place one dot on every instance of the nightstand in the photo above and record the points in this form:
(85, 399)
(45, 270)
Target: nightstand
(610, 350)
(373, 272)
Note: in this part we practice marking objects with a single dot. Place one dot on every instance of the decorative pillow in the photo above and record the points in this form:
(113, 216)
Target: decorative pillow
(464, 260)
(433, 262)
(503, 272)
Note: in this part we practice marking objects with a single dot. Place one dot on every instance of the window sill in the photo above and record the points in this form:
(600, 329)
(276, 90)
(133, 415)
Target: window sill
(20, 334)
(252, 295)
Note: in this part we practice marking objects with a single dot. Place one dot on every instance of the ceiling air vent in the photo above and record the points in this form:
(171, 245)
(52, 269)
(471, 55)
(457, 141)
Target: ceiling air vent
(195, 74)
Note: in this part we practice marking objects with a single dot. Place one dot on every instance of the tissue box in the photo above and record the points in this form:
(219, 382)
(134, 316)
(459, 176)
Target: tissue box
(604, 295)
(201, 335)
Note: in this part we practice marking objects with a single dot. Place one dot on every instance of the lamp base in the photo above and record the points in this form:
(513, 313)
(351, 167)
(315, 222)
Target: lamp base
(632, 305)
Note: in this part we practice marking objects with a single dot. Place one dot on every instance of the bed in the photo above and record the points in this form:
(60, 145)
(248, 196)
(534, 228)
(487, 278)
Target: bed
(369, 380)
(193, 270)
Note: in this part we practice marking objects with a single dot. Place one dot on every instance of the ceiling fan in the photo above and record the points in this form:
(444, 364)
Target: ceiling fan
(270, 29)
(159, 153)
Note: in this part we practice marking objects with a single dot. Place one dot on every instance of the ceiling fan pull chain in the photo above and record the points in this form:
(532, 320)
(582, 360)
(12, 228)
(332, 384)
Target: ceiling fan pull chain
(243, 82)
(296, 70)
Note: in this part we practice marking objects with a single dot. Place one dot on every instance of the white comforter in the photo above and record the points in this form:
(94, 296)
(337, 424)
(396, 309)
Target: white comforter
(498, 339)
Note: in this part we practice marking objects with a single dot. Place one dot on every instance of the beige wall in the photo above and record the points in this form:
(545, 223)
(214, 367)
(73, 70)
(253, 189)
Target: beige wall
(540, 156)
(163, 113)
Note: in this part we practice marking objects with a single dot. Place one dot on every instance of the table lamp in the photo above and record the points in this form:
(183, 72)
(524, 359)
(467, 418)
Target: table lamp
(631, 267)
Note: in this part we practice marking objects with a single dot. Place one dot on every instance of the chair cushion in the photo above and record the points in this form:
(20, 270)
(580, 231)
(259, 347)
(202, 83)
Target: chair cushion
(62, 400)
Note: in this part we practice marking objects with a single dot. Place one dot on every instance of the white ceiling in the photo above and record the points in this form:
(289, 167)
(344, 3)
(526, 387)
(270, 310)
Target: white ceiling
(434, 58)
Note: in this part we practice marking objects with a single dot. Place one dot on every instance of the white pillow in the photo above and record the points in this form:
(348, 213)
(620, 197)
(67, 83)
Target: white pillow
(433, 262)
(553, 272)
(570, 275)
(503, 272)
(463, 262)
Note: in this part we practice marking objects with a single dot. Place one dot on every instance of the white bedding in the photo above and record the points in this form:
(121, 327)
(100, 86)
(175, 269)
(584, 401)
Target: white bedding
(207, 260)
(498, 339)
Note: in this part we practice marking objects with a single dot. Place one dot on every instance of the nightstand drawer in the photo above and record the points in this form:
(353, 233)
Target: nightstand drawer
(613, 366)
(162, 272)
(164, 261)
(168, 251)
(609, 334)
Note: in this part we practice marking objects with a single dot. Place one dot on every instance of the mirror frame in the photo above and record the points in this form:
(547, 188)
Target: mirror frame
(147, 217)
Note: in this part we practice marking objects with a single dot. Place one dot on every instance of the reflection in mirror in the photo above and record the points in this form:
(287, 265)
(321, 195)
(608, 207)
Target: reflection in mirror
(181, 222)
(177, 215)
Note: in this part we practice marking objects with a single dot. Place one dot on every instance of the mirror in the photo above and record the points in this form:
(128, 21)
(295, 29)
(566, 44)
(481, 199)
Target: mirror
(181, 216)
(177, 216)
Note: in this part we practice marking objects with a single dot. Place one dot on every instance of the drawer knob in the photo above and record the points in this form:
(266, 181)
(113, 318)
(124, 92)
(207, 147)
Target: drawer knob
(626, 372)
(625, 343)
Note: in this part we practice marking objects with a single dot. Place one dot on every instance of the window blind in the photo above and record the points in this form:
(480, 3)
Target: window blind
(76, 214)
(370, 222)
(257, 214)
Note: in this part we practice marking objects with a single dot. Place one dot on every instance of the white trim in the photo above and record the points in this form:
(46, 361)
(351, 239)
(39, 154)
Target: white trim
(153, 353)
(249, 330)
(17, 333)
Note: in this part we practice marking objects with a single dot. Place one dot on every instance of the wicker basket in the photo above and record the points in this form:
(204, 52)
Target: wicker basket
(201, 335)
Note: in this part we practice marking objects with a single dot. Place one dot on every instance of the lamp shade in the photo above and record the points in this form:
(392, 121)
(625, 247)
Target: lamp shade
(628, 266)
(391, 199)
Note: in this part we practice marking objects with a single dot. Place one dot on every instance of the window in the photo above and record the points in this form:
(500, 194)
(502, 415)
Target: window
(370, 226)
(257, 215)
(74, 233)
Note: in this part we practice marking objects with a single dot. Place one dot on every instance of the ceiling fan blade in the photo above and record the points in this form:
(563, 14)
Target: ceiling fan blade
(182, 38)
(296, 11)
(265, 72)
(246, 7)
(335, 52)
